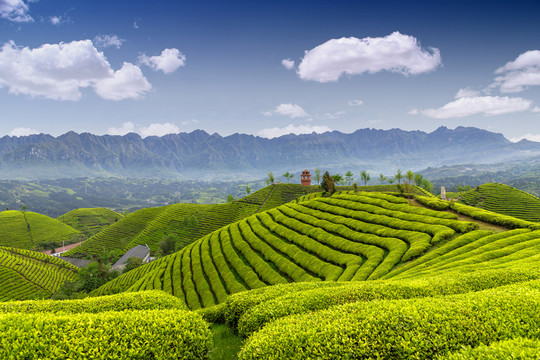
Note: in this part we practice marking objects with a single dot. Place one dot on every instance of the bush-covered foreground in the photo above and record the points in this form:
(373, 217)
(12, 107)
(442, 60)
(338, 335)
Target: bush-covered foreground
(402, 329)
(147, 325)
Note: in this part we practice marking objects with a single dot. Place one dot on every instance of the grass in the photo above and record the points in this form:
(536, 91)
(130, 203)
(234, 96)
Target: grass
(227, 344)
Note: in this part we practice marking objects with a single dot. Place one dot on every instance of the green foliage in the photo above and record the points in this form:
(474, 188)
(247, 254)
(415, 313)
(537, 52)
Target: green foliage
(269, 178)
(493, 218)
(364, 175)
(515, 349)
(317, 176)
(402, 329)
(26, 274)
(162, 334)
(29, 230)
(432, 203)
(349, 177)
(90, 221)
(505, 200)
(132, 263)
(145, 300)
(328, 183)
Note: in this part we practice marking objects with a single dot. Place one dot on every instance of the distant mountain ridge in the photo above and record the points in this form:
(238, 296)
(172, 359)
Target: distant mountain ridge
(202, 155)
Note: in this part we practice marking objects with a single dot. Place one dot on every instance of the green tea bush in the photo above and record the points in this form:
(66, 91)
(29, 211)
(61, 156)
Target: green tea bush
(402, 329)
(433, 202)
(515, 349)
(145, 300)
(148, 334)
(494, 218)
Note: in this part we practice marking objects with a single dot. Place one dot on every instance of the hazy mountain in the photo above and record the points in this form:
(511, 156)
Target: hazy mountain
(202, 155)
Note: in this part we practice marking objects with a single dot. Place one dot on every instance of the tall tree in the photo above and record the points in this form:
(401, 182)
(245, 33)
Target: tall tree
(364, 175)
(382, 178)
(327, 183)
(391, 180)
(338, 179)
(398, 176)
(317, 176)
(418, 179)
(269, 178)
(349, 177)
(248, 189)
(409, 179)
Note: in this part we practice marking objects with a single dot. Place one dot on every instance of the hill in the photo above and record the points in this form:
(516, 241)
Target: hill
(90, 221)
(26, 274)
(29, 230)
(504, 199)
(356, 236)
(184, 223)
(199, 155)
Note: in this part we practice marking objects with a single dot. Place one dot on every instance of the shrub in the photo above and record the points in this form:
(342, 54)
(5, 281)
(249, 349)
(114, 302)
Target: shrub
(515, 349)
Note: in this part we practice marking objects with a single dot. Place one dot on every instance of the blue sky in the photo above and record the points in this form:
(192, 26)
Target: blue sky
(268, 68)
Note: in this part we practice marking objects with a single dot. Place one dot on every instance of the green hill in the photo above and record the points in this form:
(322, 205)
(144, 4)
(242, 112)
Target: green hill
(90, 221)
(29, 230)
(346, 237)
(504, 199)
(26, 274)
(184, 222)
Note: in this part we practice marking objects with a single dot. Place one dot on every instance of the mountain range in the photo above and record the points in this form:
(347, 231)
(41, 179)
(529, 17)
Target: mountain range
(199, 155)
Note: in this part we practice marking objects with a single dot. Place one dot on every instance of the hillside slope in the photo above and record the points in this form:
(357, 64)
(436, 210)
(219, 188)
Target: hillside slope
(33, 231)
(90, 221)
(505, 200)
(26, 274)
(184, 222)
(346, 237)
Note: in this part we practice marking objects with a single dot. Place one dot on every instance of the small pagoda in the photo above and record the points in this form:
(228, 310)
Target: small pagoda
(306, 178)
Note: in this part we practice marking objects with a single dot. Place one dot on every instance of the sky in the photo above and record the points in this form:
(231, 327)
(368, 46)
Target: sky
(268, 68)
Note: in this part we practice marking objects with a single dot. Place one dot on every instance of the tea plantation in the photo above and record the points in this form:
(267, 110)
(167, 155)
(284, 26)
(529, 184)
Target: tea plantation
(26, 274)
(29, 230)
(358, 275)
(90, 221)
(506, 200)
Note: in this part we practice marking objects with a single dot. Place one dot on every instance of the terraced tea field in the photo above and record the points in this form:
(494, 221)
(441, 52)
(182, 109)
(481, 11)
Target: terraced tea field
(349, 237)
(26, 274)
(29, 230)
(185, 222)
(90, 221)
(506, 200)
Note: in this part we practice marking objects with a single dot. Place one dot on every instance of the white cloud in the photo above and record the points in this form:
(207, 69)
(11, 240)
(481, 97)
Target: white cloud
(159, 129)
(169, 61)
(126, 83)
(292, 129)
(288, 64)
(126, 128)
(530, 137)
(485, 105)
(467, 92)
(413, 112)
(155, 129)
(60, 71)
(355, 102)
(395, 53)
(516, 75)
(192, 121)
(20, 131)
(14, 10)
(536, 109)
(105, 41)
(291, 110)
(335, 115)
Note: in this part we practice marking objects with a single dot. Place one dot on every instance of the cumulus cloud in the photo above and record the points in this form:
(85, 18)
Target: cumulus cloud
(293, 111)
(159, 129)
(126, 83)
(352, 56)
(105, 41)
(484, 105)
(288, 64)
(293, 129)
(169, 61)
(517, 75)
(355, 102)
(126, 128)
(155, 129)
(21, 131)
(60, 71)
(15, 10)
(536, 109)
(530, 137)
(467, 92)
